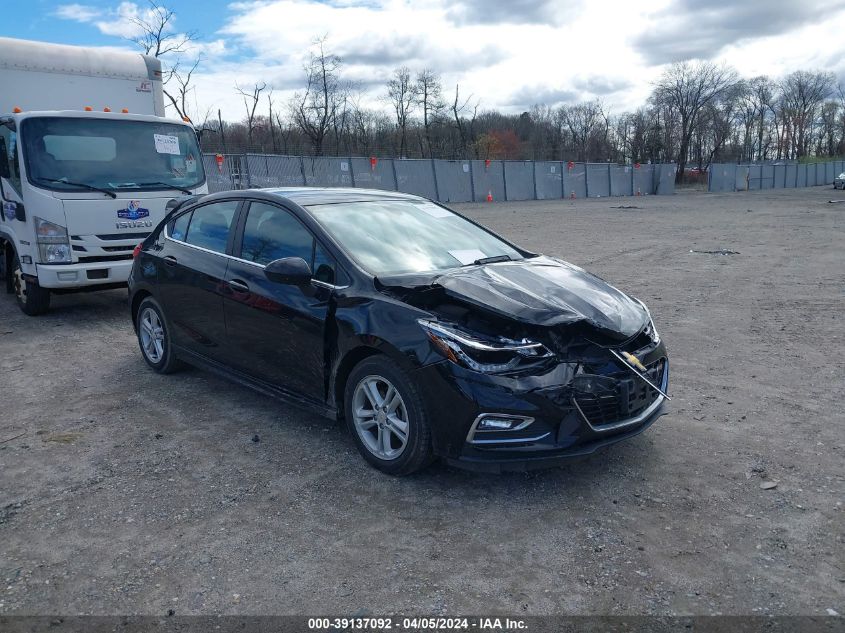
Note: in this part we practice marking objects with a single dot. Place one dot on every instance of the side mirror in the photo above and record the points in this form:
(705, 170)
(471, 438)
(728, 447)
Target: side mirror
(293, 271)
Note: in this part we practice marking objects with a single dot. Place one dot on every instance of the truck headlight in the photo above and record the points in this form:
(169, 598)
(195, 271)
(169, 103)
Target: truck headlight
(53, 243)
(483, 355)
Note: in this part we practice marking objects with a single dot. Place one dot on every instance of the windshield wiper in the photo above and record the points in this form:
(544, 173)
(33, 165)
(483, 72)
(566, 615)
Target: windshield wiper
(63, 181)
(165, 184)
(492, 260)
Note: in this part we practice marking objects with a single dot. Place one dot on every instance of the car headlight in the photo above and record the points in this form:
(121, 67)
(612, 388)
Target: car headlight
(650, 329)
(483, 355)
(53, 244)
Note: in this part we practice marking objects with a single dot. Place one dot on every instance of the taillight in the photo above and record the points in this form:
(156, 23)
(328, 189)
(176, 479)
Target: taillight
(137, 250)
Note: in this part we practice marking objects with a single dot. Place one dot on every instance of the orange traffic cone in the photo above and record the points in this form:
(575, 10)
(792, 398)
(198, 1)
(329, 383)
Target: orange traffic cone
(489, 196)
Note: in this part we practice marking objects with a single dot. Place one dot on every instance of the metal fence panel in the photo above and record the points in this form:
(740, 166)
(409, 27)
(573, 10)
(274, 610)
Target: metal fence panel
(367, 175)
(575, 181)
(767, 176)
(548, 179)
(828, 173)
(454, 180)
(416, 176)
(223, 177)
(722, 177)
(285, 171)
(840, 167)
(488, 179)
(666, 179)
(811, 174)
(801, 176)
(323, 171)
(519, 180)
(598, 180)
(790, 176)
(741, 178)
(643, 180)
(779, 176)
(620, 180)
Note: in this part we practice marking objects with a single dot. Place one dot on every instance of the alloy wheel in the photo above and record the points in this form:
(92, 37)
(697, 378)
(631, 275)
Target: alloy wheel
(380, 416)
(151, 333)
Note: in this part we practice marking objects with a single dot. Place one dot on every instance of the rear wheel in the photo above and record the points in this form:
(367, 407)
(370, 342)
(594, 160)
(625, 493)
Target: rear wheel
(387, 418)
(31, 298)
(154, 337)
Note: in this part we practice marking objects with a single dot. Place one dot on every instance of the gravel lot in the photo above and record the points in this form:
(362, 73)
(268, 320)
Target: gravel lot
(129, 492)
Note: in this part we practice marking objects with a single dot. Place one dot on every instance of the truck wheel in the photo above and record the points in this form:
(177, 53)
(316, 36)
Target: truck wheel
(32, 298)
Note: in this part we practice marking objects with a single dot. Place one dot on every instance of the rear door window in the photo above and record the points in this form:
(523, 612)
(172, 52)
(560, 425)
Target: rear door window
(210, 224)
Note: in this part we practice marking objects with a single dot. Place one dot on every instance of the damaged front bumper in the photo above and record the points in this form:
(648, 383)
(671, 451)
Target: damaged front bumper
(568, 411)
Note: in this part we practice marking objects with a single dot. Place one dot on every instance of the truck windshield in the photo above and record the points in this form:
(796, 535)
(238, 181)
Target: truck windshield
(77, 154)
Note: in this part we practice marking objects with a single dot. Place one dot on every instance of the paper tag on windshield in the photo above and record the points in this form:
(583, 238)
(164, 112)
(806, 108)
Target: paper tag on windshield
(434, 211)
(191, 164)
(467, 256)
(166, 144)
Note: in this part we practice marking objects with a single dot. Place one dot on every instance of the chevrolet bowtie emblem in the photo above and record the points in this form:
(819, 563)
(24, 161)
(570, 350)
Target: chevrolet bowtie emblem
(633, 360)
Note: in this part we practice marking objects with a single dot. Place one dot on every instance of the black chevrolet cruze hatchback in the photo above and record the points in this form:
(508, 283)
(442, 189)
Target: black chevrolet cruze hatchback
(429, 335)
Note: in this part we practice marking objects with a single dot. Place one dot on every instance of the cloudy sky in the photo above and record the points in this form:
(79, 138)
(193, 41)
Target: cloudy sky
(509, 54)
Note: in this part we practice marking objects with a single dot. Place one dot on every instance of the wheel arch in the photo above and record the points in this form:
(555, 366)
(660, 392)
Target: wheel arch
(137, 298)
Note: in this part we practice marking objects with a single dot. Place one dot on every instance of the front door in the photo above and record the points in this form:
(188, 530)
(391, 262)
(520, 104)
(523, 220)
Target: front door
(277, 331)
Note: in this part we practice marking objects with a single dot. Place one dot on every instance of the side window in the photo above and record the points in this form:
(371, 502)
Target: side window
(9, 154)
(178, 228)
(272, 233)
(325, 267)
(209, 225)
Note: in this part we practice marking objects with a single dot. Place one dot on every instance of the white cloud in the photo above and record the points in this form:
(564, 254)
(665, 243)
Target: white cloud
(552, 51)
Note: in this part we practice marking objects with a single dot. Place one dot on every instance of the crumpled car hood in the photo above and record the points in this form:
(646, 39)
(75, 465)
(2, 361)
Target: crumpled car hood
(541, 291)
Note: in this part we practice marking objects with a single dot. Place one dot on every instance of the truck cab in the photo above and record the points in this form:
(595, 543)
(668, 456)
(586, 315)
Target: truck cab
(81, 188)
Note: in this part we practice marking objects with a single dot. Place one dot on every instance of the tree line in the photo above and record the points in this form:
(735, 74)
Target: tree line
(697, 113)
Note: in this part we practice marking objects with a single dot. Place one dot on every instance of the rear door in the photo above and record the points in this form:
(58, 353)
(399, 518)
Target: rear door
(278, 330)
(192, 276)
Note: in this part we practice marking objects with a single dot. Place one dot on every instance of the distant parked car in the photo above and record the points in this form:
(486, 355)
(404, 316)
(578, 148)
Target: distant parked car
(839, 182)
(428, 334)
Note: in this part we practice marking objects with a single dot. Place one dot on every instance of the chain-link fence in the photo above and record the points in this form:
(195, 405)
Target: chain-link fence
(443, 180)
(730, 177)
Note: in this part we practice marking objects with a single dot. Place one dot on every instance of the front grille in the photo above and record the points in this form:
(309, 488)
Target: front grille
(111, 237)
(118, 249)
(629, 397)
(104, 258)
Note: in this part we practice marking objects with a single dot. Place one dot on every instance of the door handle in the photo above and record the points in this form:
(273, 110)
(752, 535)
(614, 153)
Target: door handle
(237, 284)
(170, 260)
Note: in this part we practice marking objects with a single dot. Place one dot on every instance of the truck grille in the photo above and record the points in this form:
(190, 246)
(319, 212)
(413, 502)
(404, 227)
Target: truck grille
(630, 397)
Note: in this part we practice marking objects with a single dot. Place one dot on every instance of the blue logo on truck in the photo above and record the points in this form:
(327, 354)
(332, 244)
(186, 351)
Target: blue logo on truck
(133, 211)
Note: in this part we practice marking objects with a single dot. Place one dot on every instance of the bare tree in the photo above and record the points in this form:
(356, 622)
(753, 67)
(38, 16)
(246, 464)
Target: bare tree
(402, 96)
(315, 109)
(430, 98)
(158, 38)
(270, 120)
(802, 92)
(687, 88)
(465, 130)
(251, 98)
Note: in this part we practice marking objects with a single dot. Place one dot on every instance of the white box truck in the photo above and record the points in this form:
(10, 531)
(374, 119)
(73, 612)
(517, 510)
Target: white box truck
(88, 165)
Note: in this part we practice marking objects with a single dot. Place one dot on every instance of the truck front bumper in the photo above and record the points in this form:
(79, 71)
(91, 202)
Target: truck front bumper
(69, 276)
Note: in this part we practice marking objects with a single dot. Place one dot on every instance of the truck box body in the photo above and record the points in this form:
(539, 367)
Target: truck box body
(41, 76)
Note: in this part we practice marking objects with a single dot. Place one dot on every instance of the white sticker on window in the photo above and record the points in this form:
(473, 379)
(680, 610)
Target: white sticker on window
(467, 256)
(344, 167)
(166, 144)
(434, 211)
(191, 164)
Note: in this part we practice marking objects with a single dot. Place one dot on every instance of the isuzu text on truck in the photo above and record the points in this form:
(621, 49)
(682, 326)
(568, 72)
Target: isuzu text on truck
(88, 164)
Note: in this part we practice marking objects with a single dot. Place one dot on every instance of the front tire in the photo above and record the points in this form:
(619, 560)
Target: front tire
(32, 299)
(387, 418)
(154, 337)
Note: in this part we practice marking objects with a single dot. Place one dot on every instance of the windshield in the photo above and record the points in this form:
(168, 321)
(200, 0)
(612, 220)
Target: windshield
(78, 154)
(392, 237)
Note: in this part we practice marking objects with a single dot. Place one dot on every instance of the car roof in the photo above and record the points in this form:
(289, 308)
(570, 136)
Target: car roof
(305, 196)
